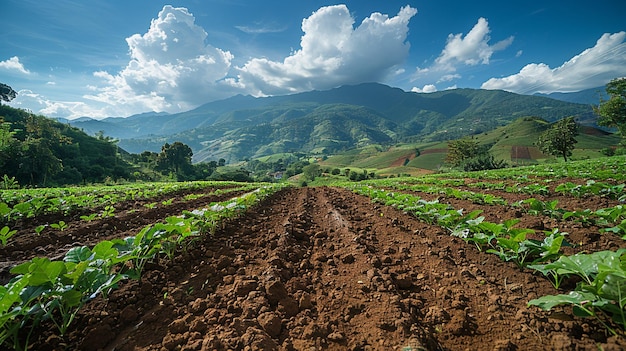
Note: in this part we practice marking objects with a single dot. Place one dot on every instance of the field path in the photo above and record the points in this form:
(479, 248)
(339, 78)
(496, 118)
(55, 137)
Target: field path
(326, 269)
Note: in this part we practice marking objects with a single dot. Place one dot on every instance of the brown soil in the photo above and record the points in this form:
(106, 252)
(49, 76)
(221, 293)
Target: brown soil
(326, 269)
(400, 161)
(520, 152)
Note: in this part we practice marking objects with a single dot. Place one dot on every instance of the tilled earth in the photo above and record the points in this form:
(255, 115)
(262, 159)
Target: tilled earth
(326, 269)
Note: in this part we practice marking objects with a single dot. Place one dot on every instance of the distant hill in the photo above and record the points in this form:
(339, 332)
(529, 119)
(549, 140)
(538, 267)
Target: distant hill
(513, 143)
(39, 151)
(327, 122)
(588, 97)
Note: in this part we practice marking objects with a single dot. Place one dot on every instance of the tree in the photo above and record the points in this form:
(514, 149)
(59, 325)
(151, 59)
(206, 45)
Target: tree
(174, 157)
(612, 112)
(312, 171)
(461, 150)
(559, 139)
(6, 93)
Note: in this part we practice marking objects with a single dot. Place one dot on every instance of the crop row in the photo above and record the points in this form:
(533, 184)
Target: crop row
(603, 168)
(45, 289)
(601, 292)
(610, 219)
(29, 210)
(28, 203)
(590, 188)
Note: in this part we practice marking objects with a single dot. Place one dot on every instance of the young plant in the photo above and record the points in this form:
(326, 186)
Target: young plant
(109, 211)
(89, 218)
(40, 229)
(5, 234)
(515, 247)
(60, 226)
(601, 293)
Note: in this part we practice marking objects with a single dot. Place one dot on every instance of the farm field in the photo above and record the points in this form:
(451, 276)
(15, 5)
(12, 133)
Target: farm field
(501, 260)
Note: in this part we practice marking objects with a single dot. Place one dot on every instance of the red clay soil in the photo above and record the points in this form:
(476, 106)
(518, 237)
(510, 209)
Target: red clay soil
(520, 152)
(326, 269)
(400, 161)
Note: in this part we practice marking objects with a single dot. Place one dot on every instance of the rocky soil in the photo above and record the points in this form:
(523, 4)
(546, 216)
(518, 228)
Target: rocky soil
(322, 269)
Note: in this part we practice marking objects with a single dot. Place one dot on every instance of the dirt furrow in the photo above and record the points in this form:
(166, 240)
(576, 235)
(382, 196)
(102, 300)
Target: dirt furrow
(325, 269)
(128, 221)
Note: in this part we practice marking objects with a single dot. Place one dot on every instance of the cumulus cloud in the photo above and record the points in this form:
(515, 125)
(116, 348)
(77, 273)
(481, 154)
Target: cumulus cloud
(469, 50)
(428, 88)
(171, 67)
(592, 68)
(333, 52)
(14, 64)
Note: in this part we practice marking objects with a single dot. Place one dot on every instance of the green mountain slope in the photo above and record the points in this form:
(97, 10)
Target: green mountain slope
(514, 143)
(327, 121)
(39, 151)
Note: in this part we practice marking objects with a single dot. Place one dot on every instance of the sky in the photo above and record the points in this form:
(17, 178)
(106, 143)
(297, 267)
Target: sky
(113, 58)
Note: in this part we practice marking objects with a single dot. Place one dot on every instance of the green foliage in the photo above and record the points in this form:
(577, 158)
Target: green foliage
(560, 138)
(6, 93)
(5, 234)
(39, 151)
(311, 171)
(601, 292)
(174, 157)
(50, 290)
(482, 162)
(461, 150)
(612, 112)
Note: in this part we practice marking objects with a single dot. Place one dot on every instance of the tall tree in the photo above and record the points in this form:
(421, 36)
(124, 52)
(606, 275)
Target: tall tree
(560, 138)
(461, 150)
(612, 112)
(175, 156)
(6, 93)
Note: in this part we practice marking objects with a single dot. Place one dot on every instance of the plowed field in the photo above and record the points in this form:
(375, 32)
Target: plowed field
(322, 269)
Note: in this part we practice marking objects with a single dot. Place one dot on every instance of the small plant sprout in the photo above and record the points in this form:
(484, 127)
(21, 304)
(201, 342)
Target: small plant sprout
(109, 211)
(60, 226)
(5, 234)
(89, 218)
(39, 229)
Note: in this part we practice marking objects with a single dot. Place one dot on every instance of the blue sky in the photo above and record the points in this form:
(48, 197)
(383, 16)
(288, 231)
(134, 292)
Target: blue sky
(73, 58)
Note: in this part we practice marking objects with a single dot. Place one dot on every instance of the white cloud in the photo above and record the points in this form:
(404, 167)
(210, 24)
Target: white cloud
(469, 50)
(40, 104)
(171, 68)
(448, 77)
(592, 68)
(332, 53)
(261, 28)
(428, 88)
(14, 64)
(472, 50)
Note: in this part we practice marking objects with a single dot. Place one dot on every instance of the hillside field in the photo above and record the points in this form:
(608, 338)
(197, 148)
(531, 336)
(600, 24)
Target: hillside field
(513, 143)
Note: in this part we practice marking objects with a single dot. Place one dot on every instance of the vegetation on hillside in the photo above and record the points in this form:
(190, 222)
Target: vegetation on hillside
(612, 112)
(328, 122)
(559, 140)
(37, 151)
(358, 132)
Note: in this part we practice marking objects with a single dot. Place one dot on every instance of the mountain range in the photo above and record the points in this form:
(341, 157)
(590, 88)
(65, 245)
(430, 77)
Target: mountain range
(327, 122)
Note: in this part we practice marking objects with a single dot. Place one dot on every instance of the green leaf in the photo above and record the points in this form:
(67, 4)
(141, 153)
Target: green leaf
(78, 254)
(10, 293)
(573, 298)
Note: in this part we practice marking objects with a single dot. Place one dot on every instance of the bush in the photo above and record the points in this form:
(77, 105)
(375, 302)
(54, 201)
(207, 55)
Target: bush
(483, 162)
